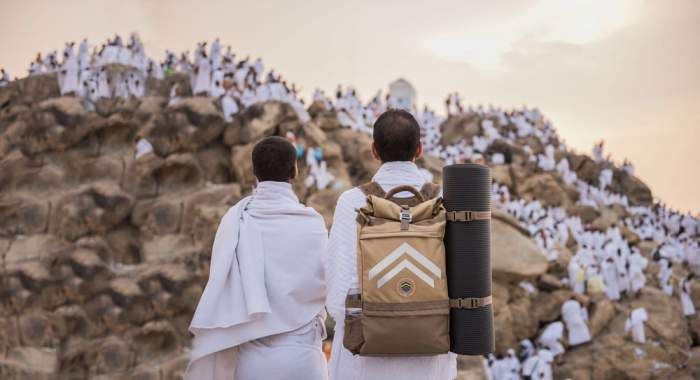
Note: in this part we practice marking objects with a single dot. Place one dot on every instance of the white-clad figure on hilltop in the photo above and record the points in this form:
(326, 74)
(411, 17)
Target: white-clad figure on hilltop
(229, 106)
(4, 77)
(551, 338)
(143, 147)
(665, 273)
(538, 366)
(202, 71)
(575, 316)
(686, 300)
(635, 324)
(68, 76)
(610, 277)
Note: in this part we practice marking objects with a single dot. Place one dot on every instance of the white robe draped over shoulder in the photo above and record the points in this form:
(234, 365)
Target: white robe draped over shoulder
(266, 278)
(341, 275)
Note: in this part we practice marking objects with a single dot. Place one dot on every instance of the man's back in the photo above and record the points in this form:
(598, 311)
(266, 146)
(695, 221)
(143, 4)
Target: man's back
(341, 274)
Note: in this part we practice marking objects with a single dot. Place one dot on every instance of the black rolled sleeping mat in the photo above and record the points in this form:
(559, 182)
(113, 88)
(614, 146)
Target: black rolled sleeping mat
(467, 187)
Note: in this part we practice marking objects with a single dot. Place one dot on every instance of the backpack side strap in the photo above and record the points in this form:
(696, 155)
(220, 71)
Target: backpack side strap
(470, 303)
(467, 216)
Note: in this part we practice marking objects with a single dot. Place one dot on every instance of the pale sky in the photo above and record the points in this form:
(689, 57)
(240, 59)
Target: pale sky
(627, 71)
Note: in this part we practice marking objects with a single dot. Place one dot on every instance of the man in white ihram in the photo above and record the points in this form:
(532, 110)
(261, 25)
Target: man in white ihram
(397, 144)
(261, 314)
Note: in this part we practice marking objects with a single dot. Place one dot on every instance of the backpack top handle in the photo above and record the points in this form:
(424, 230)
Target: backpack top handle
(401, 188)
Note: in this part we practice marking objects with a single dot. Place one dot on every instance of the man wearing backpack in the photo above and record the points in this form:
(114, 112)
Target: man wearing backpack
(396, 144)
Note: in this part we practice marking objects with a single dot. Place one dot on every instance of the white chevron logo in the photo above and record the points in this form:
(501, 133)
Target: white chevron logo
(396, 254)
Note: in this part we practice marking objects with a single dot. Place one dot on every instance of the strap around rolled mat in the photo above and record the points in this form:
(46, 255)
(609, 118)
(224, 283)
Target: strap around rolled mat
(467, 216)
(351, 303)
(470, 303)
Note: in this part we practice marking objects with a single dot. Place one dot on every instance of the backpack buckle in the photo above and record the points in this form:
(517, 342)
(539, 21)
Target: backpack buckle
(405, 218)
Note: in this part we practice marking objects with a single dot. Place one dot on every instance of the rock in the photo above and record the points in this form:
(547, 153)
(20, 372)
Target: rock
(29, 363)
(35, 330)
(666, 322)
(501, 175)
(139, 175)
(636, 191)
(261, 120)
(549, 305)
(509, 219)
(587, 213)
(602, 313)
(357, 154)
(433, 165)
(36, 247)
(92, 209)
(242, 165)
(324, 202)
(544, 188)
(155, 339)
(513, 255)
(23, 215)
(586, 169)
(607, 219)
(177, 173)
(214, 161)
(18, 171)
(612, 357)
(548, 282)
(195, 207)
(113, 355)
(191, 124)
(629, 235)
(459, 128)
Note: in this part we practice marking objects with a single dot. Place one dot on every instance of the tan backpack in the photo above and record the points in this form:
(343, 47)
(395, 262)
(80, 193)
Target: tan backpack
(402, 308)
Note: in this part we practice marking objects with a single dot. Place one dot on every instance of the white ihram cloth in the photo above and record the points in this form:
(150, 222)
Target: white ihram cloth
(266, 278)
(341, 275)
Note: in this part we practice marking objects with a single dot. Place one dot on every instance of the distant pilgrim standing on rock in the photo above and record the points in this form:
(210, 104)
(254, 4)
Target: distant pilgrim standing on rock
(261, 315)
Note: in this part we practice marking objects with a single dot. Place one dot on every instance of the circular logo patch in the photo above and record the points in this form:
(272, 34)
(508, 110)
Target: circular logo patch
(406, 287)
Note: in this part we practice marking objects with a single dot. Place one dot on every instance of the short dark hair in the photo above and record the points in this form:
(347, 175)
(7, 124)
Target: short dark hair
(274, 159)
(396, 136)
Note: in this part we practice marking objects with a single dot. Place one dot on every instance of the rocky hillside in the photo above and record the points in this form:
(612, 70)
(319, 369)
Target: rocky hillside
(104, 256)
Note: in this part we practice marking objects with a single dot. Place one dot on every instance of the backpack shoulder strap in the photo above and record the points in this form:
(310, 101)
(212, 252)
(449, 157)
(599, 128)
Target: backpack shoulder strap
(430, 190)
(372, 188)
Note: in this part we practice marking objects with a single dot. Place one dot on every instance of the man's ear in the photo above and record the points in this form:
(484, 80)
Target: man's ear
(374, 152)
(419, 151)
(295, 172)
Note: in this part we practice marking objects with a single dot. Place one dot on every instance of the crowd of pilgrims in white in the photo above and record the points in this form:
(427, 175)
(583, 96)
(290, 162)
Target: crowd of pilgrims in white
(604, 263)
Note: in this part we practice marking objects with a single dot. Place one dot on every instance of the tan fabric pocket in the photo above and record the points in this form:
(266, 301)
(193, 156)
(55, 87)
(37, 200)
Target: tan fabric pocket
(353, 338)
(411, 329)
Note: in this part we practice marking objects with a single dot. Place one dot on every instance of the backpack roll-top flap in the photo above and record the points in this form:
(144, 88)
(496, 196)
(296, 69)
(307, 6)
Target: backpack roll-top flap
(381, 208)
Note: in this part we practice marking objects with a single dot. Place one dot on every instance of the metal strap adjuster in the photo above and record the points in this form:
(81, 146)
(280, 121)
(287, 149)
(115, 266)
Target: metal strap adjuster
(405, 218)
(470, 303)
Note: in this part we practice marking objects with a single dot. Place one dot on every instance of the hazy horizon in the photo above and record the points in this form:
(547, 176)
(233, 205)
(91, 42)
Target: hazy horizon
(627, 72)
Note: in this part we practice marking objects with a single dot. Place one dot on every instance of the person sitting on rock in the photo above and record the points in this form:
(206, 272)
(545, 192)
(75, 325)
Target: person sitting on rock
(397, 145)
(635, 324)
(261, 315)
(575, 316)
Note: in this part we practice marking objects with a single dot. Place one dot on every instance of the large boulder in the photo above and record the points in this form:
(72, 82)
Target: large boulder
(514, 255)
(459, 128)
(261, 120)
(324, 202)
(93, 209)
(546, 189)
